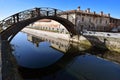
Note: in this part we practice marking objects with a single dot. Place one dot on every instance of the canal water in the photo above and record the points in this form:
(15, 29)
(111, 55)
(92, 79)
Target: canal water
(46, 58)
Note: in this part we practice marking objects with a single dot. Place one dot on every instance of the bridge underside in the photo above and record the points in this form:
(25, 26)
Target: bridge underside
(10, 32)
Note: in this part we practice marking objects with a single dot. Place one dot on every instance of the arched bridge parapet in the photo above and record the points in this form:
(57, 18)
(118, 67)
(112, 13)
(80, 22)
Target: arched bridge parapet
(28, 16)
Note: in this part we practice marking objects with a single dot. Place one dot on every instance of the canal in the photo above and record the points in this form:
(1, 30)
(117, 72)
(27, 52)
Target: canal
(46, 58)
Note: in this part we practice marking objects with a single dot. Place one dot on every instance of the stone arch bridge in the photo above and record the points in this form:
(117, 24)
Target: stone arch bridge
(10, 26)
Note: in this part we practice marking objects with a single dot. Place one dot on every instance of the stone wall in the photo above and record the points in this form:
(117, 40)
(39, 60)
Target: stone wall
(113, 44)
(9, 64)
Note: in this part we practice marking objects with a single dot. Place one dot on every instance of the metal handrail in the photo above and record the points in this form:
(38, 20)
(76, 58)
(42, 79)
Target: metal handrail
(29, 14)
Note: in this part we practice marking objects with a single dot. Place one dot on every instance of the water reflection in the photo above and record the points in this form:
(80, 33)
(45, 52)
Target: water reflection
(29, 56)
(46, 58)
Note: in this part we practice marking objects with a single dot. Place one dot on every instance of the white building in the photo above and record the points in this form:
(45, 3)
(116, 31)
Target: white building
(82, 19)
(49, 25)
(87, 20)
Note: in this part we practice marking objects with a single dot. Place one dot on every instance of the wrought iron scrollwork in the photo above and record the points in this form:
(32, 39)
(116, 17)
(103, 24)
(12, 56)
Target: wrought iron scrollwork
(29, 14)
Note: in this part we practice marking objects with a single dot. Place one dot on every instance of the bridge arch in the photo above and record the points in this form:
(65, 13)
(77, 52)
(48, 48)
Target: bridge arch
(13, 24)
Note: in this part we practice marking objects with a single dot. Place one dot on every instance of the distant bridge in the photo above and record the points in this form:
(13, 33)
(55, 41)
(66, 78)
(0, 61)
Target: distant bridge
(10, 26)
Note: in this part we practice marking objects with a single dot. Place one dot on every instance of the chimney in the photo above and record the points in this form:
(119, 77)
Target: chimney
(108, 14)
(78, 9)
(101, 13)
(88, 10)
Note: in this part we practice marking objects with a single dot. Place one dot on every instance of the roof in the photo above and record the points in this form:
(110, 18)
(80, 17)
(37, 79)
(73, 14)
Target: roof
(85, 12)
(44, 20)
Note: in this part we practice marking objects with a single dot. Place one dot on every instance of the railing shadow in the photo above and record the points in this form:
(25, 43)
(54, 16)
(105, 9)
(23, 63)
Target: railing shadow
(96, 42)
(62, 63)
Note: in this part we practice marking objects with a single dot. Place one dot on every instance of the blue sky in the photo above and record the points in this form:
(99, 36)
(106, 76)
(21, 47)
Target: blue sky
(9, 7)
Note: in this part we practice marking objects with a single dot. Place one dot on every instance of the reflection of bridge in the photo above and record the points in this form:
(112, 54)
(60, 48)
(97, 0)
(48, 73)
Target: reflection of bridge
(73, 48)
(70, 55)
(13, 24)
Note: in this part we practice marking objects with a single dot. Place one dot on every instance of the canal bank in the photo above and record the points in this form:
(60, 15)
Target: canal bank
(110, 40)
(80, 39)
(102, 41)
(0, 63)
(9, 65)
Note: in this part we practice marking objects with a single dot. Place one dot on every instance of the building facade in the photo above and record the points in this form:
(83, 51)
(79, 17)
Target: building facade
(84, 20)
(87, 20)
(49, 25)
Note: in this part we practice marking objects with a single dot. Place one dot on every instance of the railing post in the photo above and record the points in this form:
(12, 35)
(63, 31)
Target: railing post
(55, 11)
(14, 19)
(67, 16)
(32, 14)
(17, 15)
(37, 11)
(1, 25)
(47, 13)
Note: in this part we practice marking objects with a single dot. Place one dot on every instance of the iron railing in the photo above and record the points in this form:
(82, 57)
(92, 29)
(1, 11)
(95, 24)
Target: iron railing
(32, 13)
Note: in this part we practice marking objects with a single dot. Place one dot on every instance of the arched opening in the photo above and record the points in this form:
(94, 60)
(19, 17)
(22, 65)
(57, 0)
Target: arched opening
(10, 32)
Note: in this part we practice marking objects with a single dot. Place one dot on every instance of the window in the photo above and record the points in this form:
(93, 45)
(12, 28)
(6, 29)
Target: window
(106, 21)
(89, 27)
(82, 19)
(100, 20)
(52, 28)
(90, 20)
(96, 20)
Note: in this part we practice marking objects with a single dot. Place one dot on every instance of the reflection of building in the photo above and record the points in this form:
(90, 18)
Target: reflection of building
(65, 46)
(60, 46)
(49, 25)
(55, 43)
(34, 40)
